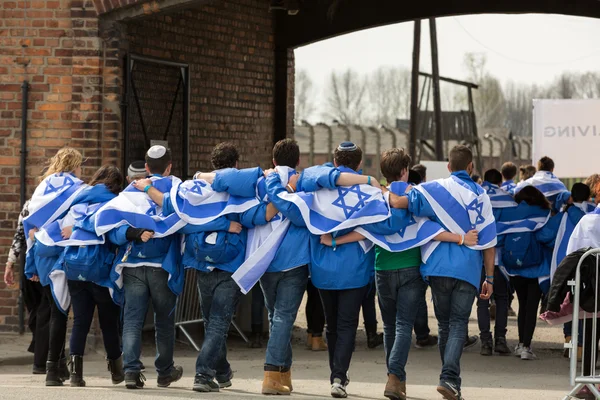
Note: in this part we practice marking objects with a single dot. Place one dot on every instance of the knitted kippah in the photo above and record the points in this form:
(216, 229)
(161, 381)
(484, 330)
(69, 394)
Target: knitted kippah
(347, 146)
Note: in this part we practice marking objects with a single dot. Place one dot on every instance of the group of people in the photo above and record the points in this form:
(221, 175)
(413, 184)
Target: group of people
(96, 245)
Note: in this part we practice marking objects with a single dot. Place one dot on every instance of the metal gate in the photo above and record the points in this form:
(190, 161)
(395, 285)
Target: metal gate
(156, 110)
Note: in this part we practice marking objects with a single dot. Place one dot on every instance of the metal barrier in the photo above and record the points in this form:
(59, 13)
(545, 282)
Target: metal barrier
(580, 381)
(189, 311)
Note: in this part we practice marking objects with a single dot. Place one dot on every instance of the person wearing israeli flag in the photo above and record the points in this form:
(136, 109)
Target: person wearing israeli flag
(453, 271)
(546, 182)
(86, 263)
(147, 266)
(509, 171)
(50, 202)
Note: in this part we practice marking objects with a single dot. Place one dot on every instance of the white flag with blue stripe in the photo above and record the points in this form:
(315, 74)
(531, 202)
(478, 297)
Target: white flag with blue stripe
(136, 209)
(332, 210)
(460, 210)
(51, 234)
(196, 203)
(546, 182)
(586, 233)
(52, 198)
(499, 197)
(530, 224)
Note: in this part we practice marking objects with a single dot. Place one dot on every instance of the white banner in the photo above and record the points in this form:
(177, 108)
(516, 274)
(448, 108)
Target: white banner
(568, 131)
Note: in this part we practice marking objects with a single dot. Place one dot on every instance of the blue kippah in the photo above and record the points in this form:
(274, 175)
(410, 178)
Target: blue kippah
(347, 146)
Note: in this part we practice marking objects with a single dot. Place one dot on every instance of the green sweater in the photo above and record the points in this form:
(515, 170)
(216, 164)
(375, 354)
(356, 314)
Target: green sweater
(388, 261)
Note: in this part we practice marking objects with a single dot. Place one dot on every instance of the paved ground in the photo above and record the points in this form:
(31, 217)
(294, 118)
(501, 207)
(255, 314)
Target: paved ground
(483, 378)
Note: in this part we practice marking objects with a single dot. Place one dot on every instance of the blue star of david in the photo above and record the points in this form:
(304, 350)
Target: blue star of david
(341, 202)
(478, 208)
(152, 210)
(197, 188)
(402, 231)
(51, 189)
(491, 190)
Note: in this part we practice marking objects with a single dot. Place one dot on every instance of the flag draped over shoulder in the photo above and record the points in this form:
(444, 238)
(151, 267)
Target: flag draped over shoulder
(586, 233)
(460, 210)
(499, 197)
(527, 224)
(332, 210)
(565, 230)
(546, 182)
(51, 234)
(196, 203)
(51, 200)
(135, 208)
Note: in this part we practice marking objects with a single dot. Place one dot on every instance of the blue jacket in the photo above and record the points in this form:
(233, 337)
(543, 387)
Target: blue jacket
(448, 259)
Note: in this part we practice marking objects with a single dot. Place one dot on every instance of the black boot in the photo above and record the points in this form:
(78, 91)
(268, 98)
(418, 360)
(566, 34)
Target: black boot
(52, 374)
(63, 369)
(76, 364)
(374, 339)
(116, 370)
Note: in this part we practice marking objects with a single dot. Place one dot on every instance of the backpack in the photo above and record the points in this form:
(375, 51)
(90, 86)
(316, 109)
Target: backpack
(521, 250)
(216, 247)
(88, 263)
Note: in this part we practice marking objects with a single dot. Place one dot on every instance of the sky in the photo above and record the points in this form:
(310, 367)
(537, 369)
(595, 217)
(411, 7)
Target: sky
(532, 48)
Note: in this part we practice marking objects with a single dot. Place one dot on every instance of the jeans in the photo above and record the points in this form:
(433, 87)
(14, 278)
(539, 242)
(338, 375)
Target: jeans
(400, 293)
(219, 297)
(529, 295)
(342, 308)
(42, 329)
(283, 295)
(315, 315)
(568, 328)
(452, 301)
(57, 328)
(140, 284)
(483, 309)
(257, 307)
(368, 309)
(422, 320)
(85, 296)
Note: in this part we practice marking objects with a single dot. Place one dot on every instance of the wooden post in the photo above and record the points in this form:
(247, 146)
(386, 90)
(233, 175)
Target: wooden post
(414, 92)
(437, 102)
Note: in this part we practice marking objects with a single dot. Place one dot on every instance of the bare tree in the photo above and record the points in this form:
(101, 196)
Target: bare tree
(304, 101)
(389, 95)
(345, 97)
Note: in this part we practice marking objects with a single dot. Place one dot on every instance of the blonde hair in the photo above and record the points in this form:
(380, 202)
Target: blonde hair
(66, 159)
(593, 181)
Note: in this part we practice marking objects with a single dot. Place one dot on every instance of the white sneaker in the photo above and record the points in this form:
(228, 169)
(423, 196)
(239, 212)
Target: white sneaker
(519, 349)
(528, 354)
(338, 390)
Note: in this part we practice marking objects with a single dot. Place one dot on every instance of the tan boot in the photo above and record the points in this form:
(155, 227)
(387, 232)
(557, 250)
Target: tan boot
(318, 344)
(286, 379)
(309, 338)
(272, 384)
(395, 389)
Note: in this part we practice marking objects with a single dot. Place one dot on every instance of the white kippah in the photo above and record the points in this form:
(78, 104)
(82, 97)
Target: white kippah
(157, 151)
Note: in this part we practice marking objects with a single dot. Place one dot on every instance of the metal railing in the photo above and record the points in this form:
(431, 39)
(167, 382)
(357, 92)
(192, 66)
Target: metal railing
(584, 380)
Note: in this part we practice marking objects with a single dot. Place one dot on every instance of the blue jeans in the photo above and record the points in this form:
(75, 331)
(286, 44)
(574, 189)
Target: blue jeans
(140, 284)
(400, 292)
(219, 297)
(422, 320)
(453, 300)
(283, 295)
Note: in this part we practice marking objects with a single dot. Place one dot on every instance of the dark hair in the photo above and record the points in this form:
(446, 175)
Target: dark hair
(493, 176)
(349, 159)
(460, 157)
(110, 176)
(545, 164)
(224, 155)
(393, 162)
(159, 165)
(509, 171)
(580, 192)
(532, 196)
(527, 171)
(286, 153)
(421, 169)
(414, 177)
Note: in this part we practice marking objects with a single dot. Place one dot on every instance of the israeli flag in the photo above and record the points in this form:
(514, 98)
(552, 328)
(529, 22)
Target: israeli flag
(263, 241)
(546, 182)
(508, 186)
(586, 233)
(51, 234)
(531, 224)
(499, 197)
(196, 203)
(135, 208)
(332, 210)
(460, 210)
(52, 198)
(60, 288)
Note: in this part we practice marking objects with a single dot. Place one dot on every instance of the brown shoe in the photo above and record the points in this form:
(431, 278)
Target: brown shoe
(272, 384)
(318, 344)
(286, 379)
(395, 389)
(309, 338)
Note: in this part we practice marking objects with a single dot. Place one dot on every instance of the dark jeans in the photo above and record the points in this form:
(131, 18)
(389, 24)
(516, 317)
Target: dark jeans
(453, 301)
(142, 284)
(368, 309)
(422, 320)
(85, 296)
(400, 293)
(257, 309)
(589, 340)
(57, 328)
(315, 315)
(32, 296)
(529, 295)
(219, 297)
(41, 330)
(342, 308)
(483, 308)
(283, 295)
